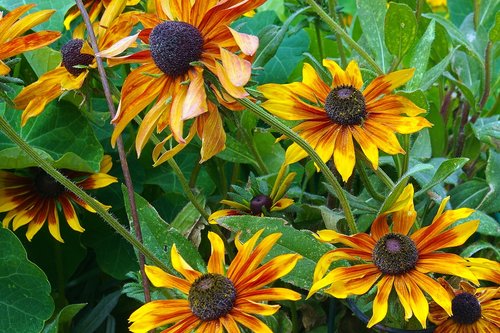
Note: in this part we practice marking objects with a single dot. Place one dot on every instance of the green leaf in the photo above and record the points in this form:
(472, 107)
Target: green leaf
(62, 323)
(158, 236)
(421, 148)
(43, 60)
(469, 95)
(400, 28)
(373, 13)
(435, 72)
(25, 303)
(420, 57)
(291, 241)
(487, 130)
(236, 152)
(444, 171)
(487, 225)
(93, 319)
(490, 202)
(475, 247)
(495, 30)
(459, 9)
(272, 154)
(61, 134)
(188, 217)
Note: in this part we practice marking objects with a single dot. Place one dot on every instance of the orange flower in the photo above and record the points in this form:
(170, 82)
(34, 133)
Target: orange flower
(12, 27)
(219, 299)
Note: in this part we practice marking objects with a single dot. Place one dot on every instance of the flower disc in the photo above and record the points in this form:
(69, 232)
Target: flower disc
(466, 308)
(395, 254)
(47, 186)
(71, 56)
(345, 105)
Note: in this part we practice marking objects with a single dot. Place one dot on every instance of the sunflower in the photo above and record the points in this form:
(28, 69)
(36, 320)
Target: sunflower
(256, 200)
(219, 298)
(12, 27)
(77, 58)
(474, 310)
(35, 197)
(184, 41)
(333, 114)
(396, 259)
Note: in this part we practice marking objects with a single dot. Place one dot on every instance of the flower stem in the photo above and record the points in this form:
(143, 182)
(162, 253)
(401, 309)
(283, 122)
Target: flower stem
(97, 206)
(283, 129)
(331, 7)
(338, 30)
(366, 182)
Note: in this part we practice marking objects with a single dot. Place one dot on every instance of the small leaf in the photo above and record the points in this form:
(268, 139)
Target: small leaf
(400, 28)
(236, 152)
(487, 130)
(420, 57)
(435, 72)
(62, 323)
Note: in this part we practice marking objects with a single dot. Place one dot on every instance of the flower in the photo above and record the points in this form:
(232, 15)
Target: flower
(396, 259)
(35, 198)
(219, 298)
(257, 201)
(77, 58)
(437, 5)
(184, 40)
(485, 269)
(474, 310)
(331, 115)
(12, 27)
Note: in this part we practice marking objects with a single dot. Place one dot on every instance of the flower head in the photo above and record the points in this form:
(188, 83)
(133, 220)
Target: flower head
(12, 27)
(256, 199)
(36, 198)
(332, 114)
(183, 41)
(219, 298)
(397, 259)
(473, 310)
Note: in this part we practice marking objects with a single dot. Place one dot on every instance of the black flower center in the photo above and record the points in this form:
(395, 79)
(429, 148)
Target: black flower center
(46, 186)
(345, 105)
(395, 254)
(71, 57)
(174, 45)
(259, 202)
(211, 296)
(466, 308)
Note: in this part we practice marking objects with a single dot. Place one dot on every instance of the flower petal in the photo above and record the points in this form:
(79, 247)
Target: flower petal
(248, 44)
(226, 81)
(216, 261)
(254, 324)
(385, 84)
(343, 155)
(237, 69)
(195, 103)
(161, 279)
(380, 302)
(181, 266)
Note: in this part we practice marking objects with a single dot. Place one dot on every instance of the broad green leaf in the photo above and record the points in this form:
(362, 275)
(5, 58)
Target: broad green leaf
(25, 302)
(472, 194)
(373, 13)
(420, 57)
(495, 30)
(487, 130)
(459, 9)
(188, 217)
(62, 323)
(93, 319)
(291, 241)
(444, 171)
(43, 60)
(236, 152)
(61, 134)
(158, 236)
(487, 225)
(421, 148)
(435, 72)
(400, 28)
(491, 202)
(272, 154)
(475, 247)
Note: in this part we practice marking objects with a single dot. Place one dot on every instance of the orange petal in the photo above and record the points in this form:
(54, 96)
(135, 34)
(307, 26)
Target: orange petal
(343, 155)
(248, 44)
(181, 266)
(118, 47)
(238, 70)
(213, 136)
(70, 214)
(161, 279)
(223, 75)
(254, 324)
(28, 43)
(385, 84)
(216, 261)
(380, 303)
(195, 103)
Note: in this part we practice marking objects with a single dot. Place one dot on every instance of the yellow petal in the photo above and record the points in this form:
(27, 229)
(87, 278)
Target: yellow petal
(380, 303)
(211, 129)
(233, 90)
(237, 69)
(338, 74)
(118, 47)
(248, 44)
(354, 75)
(216, 261)
(385, 84)
(195, 102)
(181, 266)
(161, 279)
(343, 155)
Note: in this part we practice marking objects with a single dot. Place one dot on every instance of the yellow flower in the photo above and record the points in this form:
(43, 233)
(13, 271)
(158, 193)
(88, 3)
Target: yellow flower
(398, 260)
(485, 269)
(254, 202)
(66, 77)
(219, 299)
(184, 39)
(474, 310)
(333, 114)
(12, 27)
(437, 5)
(34, 198)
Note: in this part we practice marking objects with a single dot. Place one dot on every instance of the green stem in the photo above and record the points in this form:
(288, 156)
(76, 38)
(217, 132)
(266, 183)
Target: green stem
(338, 29)
(54, 173)
(319, 40)
(340, 46)
(379, 172)
(262, 167)
(366, 182)
(283, 129)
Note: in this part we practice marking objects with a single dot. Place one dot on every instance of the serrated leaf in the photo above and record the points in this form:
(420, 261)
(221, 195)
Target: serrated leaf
(62, 323)
(291, 241)
(400, 28)
(444, 171)
(420, 56)
(25, 302)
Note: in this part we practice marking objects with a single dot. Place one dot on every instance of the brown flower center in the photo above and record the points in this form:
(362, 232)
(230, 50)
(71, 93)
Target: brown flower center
(46, 186)
(259, 202)
(466, 308)
(174, 46)
(211, 296)
(395, 254)
(72, 57)
(345, 105)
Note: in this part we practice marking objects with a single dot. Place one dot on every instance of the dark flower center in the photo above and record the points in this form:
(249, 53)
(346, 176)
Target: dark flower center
(47, 186)
(174, 45)
(71, 57)
(395, 254)
(259, 202)
(345, 105)
(466, 308)
(211, 296)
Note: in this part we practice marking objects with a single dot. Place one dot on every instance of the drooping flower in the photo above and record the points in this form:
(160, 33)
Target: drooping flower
(398, 260)
(184, 40)
(219, 299)
(12, 27)
(473, 310)
(332, 114)
(77, 59)
(256, 199)
(35, 198)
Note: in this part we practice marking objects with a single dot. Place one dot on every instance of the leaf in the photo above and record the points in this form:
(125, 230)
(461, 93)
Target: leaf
(495, 30)
(62, 323)
(421, 148)
(487, 130)
(444, 171)
(400, 28)
(188, 217)
(291, 241)
(475, 247)
(469, 95)
(43, 60)
(236, 152)
(93, 319)
(459, 9)
(420, 57)
(272, 154)
(61, 134)
(473, 194)
(491, 202)
(25, 303)
(435, 72)
(487, 225)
